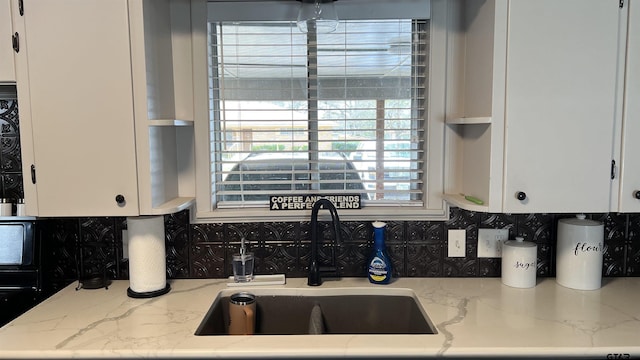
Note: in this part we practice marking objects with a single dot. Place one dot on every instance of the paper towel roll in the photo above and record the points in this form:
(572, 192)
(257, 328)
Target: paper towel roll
(147, 256)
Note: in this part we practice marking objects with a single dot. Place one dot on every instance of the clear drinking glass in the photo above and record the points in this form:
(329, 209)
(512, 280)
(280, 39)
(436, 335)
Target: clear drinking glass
(243, 267)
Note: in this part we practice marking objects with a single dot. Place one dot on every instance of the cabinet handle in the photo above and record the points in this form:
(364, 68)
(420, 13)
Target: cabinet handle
(33, 173)
(636, 194)
(521, 195)
(613, 169)
(15, 41)
(120, 200)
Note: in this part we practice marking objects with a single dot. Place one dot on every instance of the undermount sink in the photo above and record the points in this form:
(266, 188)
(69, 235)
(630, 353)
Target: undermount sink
(341, 311)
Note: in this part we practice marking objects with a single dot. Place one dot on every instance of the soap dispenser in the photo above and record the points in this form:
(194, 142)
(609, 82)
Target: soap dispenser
(379, 263)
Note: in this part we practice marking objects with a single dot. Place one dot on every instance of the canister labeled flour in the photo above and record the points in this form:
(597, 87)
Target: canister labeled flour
(519, 259)
(579, 253)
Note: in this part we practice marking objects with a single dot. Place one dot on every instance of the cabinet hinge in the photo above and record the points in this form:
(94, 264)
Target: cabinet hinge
(621, 4)
(613, 169)
(33, 173)
(15, 41)
(21, 7)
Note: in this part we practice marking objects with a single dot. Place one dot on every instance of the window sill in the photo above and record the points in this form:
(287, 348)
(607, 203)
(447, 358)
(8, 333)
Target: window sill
(391, 213)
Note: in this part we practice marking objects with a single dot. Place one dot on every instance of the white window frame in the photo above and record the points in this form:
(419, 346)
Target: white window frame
(434, 206)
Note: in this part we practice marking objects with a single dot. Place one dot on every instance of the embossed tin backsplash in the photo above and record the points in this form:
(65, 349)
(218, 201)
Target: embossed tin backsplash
(79, 247)
(10, 160)
(418, 248)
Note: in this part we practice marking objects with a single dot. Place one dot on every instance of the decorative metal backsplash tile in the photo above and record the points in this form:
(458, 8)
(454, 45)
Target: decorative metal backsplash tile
(615, 241)
(177, 234)
(97, 247)
(10, 159)
(60, 238)
(207, 251)
(418, 249)
(632, 259)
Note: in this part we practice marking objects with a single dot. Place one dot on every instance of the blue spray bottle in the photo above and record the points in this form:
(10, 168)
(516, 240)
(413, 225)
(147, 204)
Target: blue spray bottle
(379, 263)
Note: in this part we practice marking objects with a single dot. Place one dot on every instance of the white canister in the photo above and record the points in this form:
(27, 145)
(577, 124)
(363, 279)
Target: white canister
(579, 253)
(20, 209)
(6, 207)
(519, 260)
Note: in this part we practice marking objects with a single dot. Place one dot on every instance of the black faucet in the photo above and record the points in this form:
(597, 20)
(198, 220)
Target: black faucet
(315, 269)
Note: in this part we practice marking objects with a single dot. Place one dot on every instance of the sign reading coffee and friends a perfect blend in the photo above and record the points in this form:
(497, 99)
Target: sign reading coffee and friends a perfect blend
(305, 202)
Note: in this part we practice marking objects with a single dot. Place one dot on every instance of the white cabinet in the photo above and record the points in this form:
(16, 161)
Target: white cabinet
(532, 118)
(561, 93)
(87, 90)
(629, 196)
(74, 88)
(7, 73)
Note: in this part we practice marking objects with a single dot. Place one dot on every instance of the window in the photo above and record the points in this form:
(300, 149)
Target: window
(307, 113)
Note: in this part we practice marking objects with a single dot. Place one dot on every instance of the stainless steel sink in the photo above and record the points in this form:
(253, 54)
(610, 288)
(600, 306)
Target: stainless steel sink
(326, 311)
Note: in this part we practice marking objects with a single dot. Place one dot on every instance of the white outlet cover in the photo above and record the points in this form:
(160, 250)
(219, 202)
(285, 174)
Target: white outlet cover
(490, 242)
(456, 242)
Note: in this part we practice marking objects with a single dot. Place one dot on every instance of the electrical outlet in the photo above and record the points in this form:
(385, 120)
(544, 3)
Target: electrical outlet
(457, 243)
(490, 242)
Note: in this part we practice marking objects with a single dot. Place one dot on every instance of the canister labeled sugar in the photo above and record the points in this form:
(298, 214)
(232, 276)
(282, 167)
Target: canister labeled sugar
(519, 260)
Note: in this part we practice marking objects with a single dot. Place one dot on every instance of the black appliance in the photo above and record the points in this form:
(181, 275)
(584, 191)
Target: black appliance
(20, 270)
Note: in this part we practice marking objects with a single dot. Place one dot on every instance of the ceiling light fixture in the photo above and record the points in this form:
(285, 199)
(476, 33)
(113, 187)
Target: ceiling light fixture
(317, 16)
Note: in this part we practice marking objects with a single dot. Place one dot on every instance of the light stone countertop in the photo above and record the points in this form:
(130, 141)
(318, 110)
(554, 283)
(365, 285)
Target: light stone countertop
(473, 316)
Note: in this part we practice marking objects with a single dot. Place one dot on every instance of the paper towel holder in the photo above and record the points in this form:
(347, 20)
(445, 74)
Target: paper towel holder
(147, 257)
(148, 294)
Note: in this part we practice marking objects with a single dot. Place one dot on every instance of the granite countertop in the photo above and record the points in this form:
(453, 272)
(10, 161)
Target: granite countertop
(473, 317)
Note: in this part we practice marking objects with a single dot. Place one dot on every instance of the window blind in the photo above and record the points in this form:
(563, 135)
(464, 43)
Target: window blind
(338, 113)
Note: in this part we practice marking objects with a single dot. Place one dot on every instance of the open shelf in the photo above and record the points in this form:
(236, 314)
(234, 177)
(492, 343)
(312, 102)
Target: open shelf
(458, 200)
(168, 122)
(162, 55)
(173, 206)
(470, 120)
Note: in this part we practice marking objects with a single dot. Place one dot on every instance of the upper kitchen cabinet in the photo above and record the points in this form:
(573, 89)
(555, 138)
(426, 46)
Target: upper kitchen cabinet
(532, 104)
(629, 199)
(7, 72)
(99, 109)
(76, 108)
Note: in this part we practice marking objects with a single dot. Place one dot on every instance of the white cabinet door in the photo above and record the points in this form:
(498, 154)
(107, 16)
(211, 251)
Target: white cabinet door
(7, 72)
(630, 169)
(561, 88)
(76, 92)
